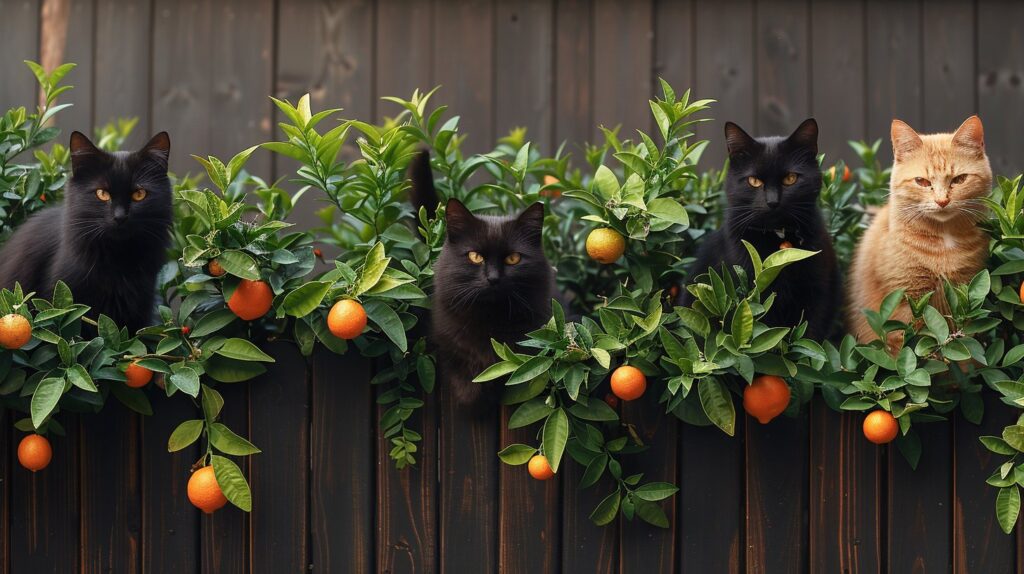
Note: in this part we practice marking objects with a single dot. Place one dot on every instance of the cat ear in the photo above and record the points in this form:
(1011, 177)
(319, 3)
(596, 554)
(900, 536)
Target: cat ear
(736, 140)
(458, 219)
(904, 139)
(970, 135)
(531, 221)
(806, 135)
(83, 152)
(158, 148)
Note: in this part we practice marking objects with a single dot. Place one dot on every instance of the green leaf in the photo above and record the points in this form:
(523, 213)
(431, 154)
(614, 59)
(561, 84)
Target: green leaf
(239, 264)
(226, 441)
(556, 435)
(1014, 436)
(717, 403)
(243, 350)
(232, 482)
(651, 513)
(224, 370)
(997, 445)
(385, 317)
(594, 410)
(1008, 507)
(495, 371)
(187, 380)
(669, 210)
(776, 262)
(528, 413)
(186, 433)
(607, 510)
(134, 399)
(530, 370)
(213, 322)
(606, 183)
(372, 270)
(305, 299)
(45, 399)
(936, 324)
(878, 357)
(602, 357)
(212, 403)
(742, 324)
(516, 454)
(655, 491)
(79, 376)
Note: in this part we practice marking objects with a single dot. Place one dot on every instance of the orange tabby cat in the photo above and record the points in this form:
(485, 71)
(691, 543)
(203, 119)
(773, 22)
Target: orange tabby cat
(927, 233)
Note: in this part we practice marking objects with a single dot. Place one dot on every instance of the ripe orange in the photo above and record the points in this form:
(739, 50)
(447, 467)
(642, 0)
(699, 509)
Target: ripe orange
(318, 254)
(1022, 292)
(550, 192)
(185, 330)
(15, 331)
(880, 427)
(204, 492)
(347, 319)
(785, 245)
(766, 398)
(628, 383)
(847, 175)
(138, 376)
(539, 467)
(251, 300)
(605, 245)
(34, 452)
(215, 269)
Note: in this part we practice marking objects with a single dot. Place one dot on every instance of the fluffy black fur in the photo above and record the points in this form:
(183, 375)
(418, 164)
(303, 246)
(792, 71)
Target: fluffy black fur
(108, 252)
(474, 303)
(810, 288)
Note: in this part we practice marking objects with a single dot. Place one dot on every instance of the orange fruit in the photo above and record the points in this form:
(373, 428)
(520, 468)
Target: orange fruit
(347, 319)
(251, 300)
(766, 398)
(15, 331)
(204, 492)
(880, 427)
(611, 400)
(1022, 292)
(34, 452)
(138, 376)
(847, 175)
(785, 245)
(318, 254)
(605, 245)
(215, 269)
(628, 383)
(539, 467)
(550, 180)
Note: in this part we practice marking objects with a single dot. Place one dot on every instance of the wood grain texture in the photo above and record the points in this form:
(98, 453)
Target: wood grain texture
(279, 476)
(586, 547)
(574, 74)
(949, 54)
(110, 496)
(523, 93)
(783, 66)
(464, 67)
(404, 56)
(342, 458)
(45, 506)
(68, 34)
(845, 530)
(893, 74)
(225, 535)
(711, 462)
(19, 29)
(623, 46)
(1000, 86)
(838, 76)
(777, 461)
(726, 73)
(6, 465)
(675, 47)
(123, 66)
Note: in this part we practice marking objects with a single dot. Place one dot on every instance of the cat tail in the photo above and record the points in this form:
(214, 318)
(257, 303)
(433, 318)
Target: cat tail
(423, 192)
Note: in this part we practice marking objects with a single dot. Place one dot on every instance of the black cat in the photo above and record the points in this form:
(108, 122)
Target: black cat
(772, 187)
(491, 281)
(108, 240)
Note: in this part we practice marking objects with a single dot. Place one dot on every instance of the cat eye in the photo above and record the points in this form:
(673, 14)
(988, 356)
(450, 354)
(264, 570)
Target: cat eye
(139, 194)
(790, 179)
(754, 182)
(103, 195)
(959, 179)
(475, 258)
(513, 258)
(922, 182)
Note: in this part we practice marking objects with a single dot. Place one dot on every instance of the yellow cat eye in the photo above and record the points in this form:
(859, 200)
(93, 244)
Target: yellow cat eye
(790, 179)
(754, 182)
(139, 194)
(922, 182)
(103, 195)
(513, 258)
(475, 258)
(959, 179)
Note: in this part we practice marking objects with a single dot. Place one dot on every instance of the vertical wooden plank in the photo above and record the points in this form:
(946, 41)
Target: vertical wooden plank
(645, 548)
(170, 524)
(342, 437)
(725, 73)
(20, 30)
(67, 34)
(574, 73)
(1000, 85)
(6, 464)
(123, 67)
(711, 499)
(623, 62)
(226, 535)
(586, 547)
(837, 71)
(213, 91)
(111, 532)
(464, 67)
(949, 64)
(894, 68)
(844, 494)
(44, 512)
(524, 41)
(920, 512)
(783, 82)
(280, 474)
(979, 545)
(674, 45)
(404, 47)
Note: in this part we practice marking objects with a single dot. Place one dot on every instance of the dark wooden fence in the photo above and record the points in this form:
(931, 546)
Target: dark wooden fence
(808, 494)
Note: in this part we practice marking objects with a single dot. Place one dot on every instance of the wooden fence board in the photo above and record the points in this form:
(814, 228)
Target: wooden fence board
(523, 51)
(894, 87)
(67, 34)
(404, 51)
(586, 547)
(123, 66)
(574, 64)
(949, 64)
(225, 538)
(675, 46)
(623, 43)
(463, 66)
(837, 76)
(6, 465)
(19, 29)
(783, 69)
(1000, 89)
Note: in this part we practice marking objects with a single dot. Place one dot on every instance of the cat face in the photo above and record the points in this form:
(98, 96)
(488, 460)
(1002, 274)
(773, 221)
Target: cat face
(119, 195)
(772, 181)
(939, 177)
(488, 260)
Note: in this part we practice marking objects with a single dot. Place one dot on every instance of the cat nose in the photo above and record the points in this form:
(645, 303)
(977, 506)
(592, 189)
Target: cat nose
(942, 201)
(771, 197)
(120, 214)
(493, 276)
